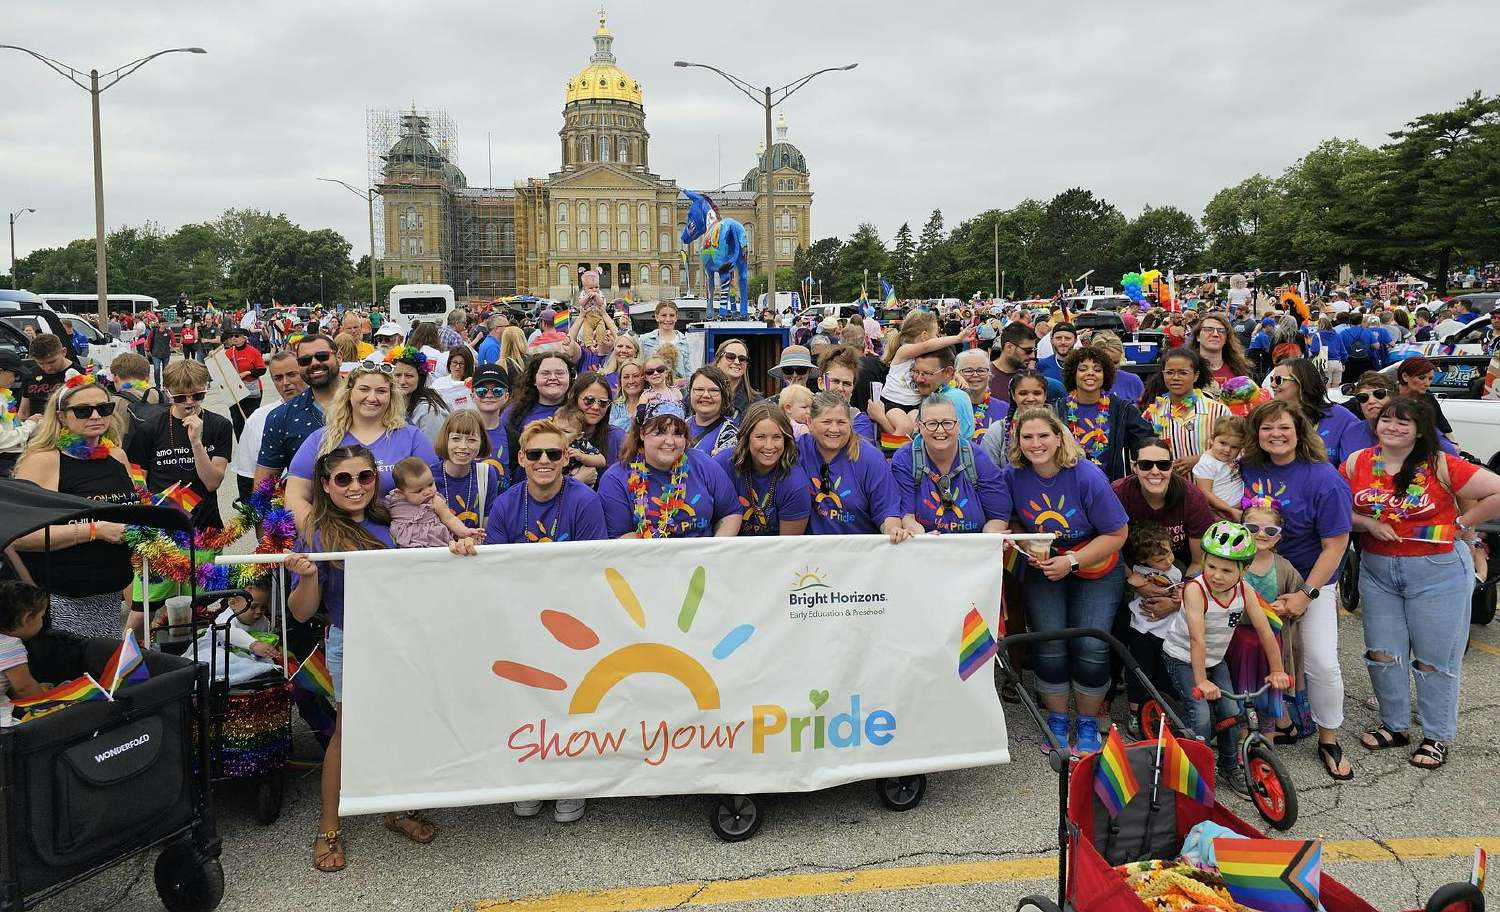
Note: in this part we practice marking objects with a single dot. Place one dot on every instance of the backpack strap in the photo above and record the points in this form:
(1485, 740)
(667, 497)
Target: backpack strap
(966, 459)
(482, 487)
(918, 459)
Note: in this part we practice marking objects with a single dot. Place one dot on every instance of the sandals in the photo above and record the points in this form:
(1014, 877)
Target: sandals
(330, 861)
(1381, 738)
(1431, 753)
(412, 826)
(1287, 735)
(1332, 756)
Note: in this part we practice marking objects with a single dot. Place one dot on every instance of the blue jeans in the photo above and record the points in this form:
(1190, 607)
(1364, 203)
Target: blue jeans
(333, 656)
(1416, 613)
(1072, 602)
(1197, 712)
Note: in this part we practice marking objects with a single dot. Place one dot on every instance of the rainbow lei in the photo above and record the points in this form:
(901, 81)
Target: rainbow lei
(168, 552)
(1095, 439)
(132, 386)
(9, 408)
(673, 497)
(74, 445)
(1415, 491)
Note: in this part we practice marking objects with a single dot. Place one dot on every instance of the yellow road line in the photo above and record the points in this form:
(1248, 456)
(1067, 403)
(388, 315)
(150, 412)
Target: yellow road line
(879, 880)
(1485, 647)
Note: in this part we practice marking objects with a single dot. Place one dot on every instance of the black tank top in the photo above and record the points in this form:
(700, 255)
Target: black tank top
(90, 568)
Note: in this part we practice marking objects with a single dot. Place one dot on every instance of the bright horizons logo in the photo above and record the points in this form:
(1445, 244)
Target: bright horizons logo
(810, 590)
(659, 737)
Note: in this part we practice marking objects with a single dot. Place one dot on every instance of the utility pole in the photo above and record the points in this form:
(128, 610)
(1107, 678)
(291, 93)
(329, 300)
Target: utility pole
(997, 259)
(14, 282)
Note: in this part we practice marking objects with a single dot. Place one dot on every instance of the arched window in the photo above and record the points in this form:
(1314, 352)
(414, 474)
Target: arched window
(583, 239)
(562, 274)
(624, 213)
(643, 214)
(562, 239)
(412, 219)
(562, 213)
(662, 216)
(604, 213)
(624, 152)
(624, 239)
(588, 149)
(664, 243)
(644, 239)
(583, 213)
(666, 276)
(603, 238)
(604, 148)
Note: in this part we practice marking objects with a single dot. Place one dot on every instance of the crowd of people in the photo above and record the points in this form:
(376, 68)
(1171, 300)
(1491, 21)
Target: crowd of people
(1186, 512)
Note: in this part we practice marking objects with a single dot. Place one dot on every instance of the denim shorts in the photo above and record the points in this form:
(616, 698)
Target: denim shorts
(333, 654)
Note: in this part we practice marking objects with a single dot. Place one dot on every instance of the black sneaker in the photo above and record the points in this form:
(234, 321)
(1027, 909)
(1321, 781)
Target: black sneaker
(1235, 779)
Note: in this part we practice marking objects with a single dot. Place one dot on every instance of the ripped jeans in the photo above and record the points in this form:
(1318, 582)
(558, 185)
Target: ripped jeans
(1416, 614)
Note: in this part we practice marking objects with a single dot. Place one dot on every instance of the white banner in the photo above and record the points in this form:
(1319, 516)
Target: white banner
(728, 666)
(223, 372)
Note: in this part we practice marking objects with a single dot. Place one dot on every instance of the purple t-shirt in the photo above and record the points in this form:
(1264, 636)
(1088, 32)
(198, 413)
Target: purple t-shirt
(1315, 504)
(858, 495)
(588, 361)
(866, 428)
(537, 413)
(573, 514)
(969, 506)
(710, 497)
(331, 573)
(499, 451)
(1076, 503)
(704, 438)
(1334, 425)
(392, 447)
(1128, 386)
(462, 494)
(766, 500)
(616, 440)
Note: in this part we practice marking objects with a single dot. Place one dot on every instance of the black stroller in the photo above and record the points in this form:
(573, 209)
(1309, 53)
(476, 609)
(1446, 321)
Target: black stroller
(96, 784)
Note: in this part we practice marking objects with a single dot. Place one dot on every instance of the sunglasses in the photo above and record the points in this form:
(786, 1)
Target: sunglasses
(1279, 380)
(795, 371)
(553, 454)
(1257, 529)
(320, 357)
(181, 398)
(591, 401)
(365, 478)
(103, 410)
(735, 358)
(496, 391)
(1160, 465)
(384, 367)
(944, 487)
(653, 371)
(1377, 394)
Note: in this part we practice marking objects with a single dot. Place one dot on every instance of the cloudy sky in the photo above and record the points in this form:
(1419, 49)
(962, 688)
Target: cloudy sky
(959, 105)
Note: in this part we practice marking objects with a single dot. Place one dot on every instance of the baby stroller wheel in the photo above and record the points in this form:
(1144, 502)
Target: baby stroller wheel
(269, 792)
(735, 818)
(1149, 717)
(187, 881)
(1037, 904)
(901, 793)
(1456, 897)
(1271, 788)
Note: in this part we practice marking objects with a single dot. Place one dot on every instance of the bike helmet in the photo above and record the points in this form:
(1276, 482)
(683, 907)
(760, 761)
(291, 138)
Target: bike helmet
(1229, 540)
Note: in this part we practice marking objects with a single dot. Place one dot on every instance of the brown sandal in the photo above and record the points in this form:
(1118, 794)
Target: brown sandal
(412, 826)
(331, 861)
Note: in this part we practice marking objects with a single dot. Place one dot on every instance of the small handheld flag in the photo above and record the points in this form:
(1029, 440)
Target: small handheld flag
(81, 689)
(312, 675)
(181, 495)
(1178, 772)
(976, 647)
(1114, 780)
(137, 475)
(889, 293)
(127, 664)
(1481, 860)
(1271, 875)
(562, 320)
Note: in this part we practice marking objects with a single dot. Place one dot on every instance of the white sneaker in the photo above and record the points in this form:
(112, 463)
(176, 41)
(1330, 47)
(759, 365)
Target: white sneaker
(568, 810)
(526, 808)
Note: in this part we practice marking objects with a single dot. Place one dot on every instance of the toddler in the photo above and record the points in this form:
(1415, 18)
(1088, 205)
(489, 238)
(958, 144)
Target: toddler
(796, 404)
(419, 517)
(1217, 473)
(1272, 577)
(247, 618)
(22, 608)
(581, 453)
(1214, 605)
(1149, 546)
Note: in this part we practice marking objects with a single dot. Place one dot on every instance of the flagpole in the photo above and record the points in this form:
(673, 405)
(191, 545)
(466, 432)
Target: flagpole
(1155, 781)
(146, 600)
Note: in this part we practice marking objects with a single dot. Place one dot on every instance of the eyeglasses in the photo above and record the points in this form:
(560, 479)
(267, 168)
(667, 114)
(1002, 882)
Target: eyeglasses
(830, 382)
(1160, 465)
(103, 410)
(976, 371)
(1377, 394)
(795, 371)
(1182, 374)
(1211, 330)
(940, 424)
(1257, 529)
(735, 358)
(553, 454)
(364, 478)
(320, 357)
(182, 398)
(653, 371)
(1280, 379)
(591, 401)
(552, 375)
(496, 391)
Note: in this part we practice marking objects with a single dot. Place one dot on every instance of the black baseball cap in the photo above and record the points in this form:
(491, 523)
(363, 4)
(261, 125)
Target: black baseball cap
(491, 375)
(236, 331)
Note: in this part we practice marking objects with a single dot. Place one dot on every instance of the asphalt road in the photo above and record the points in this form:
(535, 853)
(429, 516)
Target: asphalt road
(981, 840)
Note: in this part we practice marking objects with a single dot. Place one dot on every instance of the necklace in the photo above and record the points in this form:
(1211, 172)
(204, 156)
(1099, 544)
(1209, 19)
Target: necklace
(542, 533)
(468, 492)
(1415, 492)
(672, 499)
(1095, 437)
(758, 509)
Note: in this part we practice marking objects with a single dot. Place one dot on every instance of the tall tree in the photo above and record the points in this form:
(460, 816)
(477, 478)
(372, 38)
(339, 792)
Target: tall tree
(1232, 221)
(1078, 233)
(1165, 238)
(903, 259)
(863, 255)
(295, 266)
(932, 265)
(819, 261)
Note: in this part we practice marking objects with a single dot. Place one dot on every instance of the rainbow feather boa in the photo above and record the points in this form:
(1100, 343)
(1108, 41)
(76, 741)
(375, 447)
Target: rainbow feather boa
(168, 553)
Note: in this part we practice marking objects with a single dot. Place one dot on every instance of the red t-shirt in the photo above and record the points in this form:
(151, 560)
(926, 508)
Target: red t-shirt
(1429, 525)
(1185, 518)
(1223, 373)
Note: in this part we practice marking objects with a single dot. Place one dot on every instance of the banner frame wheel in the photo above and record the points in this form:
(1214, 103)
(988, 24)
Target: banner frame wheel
(901, 793)
(735, 818)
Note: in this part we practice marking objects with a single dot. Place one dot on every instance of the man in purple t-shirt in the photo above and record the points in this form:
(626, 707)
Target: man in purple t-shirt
(550, 506)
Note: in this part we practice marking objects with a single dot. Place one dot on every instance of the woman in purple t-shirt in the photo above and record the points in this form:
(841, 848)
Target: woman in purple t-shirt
(539, 394)
(368, 410)
(956, 488)
(775, 495)
(662, 487)
(852, 490)
(344, 514)
(711, 410)
(589, 399)
(1075, 580)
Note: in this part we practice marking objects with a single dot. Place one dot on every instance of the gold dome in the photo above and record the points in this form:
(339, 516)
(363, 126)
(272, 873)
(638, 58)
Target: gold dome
(602, 79)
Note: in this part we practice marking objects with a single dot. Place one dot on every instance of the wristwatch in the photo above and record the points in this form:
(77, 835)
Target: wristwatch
(1072, 561)
(1309, 591)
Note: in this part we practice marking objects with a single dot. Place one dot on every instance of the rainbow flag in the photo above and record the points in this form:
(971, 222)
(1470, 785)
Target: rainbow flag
(1436, 535)
(181, 495)
(127, 664)
(1178, 772)
(1114, 780)
(81, 689)
(890, 293)
(1481, 860)
(312, 675)
(137, 475)
(890, 443)
(562, 320)
(976, 647)
(1272, 618)
(1271, 875)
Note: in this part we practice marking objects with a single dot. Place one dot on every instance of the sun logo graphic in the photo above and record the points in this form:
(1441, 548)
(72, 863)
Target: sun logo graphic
(828, 495)
(545, 534)
(809, 578)
(1040, 514)
(630, 659)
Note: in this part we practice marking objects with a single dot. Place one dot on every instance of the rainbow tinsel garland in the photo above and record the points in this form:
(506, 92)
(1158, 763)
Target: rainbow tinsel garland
(169, 558)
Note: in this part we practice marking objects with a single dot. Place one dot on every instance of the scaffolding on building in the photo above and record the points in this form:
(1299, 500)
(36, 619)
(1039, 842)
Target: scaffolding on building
(409, 137)
(484, 242)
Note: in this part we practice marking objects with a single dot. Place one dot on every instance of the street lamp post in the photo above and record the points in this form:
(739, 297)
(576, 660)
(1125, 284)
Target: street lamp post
(14, 282)
(75, 76)
(369, 197)
(766, 99)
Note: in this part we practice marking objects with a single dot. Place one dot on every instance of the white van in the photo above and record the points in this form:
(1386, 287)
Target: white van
(427, 303)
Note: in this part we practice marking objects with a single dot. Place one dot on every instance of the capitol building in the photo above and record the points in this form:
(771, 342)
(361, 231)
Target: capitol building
(603, 208)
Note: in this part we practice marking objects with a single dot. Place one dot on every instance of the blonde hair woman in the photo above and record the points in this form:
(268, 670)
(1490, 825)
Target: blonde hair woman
(853, 492)
(369, 411)
(630, 383)
(627, 348)
(513, 353)
(1075, 580)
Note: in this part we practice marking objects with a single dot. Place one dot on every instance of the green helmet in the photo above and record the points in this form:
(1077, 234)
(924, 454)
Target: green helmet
(1229, 540)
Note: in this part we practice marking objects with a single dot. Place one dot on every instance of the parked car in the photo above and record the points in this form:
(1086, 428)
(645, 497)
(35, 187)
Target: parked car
(1467, 340)
(1458, 382)
(25, 305)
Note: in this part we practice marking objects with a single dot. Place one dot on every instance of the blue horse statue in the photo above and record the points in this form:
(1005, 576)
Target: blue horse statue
(723, 248)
